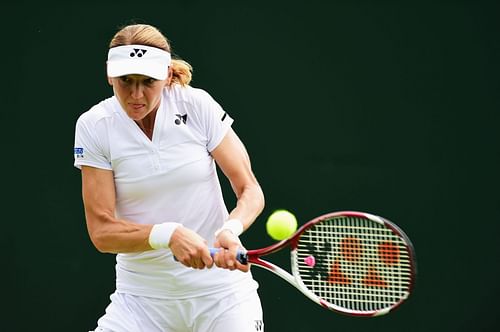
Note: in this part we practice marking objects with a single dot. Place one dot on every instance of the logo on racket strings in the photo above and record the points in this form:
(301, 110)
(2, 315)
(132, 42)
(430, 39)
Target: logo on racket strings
(352, 261)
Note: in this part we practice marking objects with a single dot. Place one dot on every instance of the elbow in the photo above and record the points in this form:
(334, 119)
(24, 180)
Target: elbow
(100, 243)
(100, 236)
(261, 200)
(101, 247)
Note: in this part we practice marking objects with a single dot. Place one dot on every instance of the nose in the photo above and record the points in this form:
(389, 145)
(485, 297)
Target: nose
(137, 92)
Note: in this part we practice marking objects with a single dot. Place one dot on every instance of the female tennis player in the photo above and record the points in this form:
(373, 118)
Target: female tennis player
(148, 159)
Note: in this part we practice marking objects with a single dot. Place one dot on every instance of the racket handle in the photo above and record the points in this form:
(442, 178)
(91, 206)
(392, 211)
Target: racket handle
(241, 255)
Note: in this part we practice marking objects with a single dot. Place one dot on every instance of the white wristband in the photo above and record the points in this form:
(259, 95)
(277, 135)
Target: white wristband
(233, 225)
(160, 234)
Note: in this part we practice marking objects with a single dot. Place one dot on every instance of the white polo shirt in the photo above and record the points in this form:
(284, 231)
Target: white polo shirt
(169, 178)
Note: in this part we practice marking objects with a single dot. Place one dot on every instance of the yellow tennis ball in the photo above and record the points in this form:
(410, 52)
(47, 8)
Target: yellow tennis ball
(281, 224)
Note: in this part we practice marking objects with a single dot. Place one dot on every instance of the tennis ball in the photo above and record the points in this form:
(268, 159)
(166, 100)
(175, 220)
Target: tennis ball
(281, 224)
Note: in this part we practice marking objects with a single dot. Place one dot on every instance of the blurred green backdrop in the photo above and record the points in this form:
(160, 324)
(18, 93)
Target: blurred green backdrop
(389, 107)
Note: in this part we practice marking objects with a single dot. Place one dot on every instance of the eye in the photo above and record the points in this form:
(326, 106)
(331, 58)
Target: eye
(149, 81)
(125, 79)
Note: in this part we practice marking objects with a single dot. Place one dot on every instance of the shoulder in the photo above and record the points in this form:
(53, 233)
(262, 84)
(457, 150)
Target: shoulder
(195, 101)
(189, 95)
(104, 110)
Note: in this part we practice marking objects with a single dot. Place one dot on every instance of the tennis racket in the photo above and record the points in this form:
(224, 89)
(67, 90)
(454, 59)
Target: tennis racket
(350, 262)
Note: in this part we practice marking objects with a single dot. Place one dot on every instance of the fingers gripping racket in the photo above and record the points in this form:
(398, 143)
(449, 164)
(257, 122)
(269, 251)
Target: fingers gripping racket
(349, 262)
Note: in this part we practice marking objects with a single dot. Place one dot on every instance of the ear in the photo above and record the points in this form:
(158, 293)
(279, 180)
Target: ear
(169, 77)
(110, 81)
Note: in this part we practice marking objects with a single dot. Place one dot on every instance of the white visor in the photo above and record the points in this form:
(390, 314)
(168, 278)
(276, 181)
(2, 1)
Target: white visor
(138, 59)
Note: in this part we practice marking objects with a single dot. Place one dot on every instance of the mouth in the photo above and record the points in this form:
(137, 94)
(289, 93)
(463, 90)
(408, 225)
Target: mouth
(136, 106)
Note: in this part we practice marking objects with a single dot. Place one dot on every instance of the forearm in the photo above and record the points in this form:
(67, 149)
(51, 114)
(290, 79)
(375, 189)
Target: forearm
(111, 235)
(249, 205)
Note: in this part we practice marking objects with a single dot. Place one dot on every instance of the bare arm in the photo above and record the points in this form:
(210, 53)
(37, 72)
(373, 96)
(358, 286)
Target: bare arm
(112, 235)
(233, 159)
(109, 234)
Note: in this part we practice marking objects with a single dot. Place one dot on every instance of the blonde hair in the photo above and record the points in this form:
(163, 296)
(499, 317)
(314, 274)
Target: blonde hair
(144, 34)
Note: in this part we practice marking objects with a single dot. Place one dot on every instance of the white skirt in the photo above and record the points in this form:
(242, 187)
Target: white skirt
(222, 312)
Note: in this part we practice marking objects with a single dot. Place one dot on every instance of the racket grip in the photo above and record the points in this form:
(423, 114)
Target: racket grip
(241, 255)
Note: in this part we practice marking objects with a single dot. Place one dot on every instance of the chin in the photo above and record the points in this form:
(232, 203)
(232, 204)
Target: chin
(136, 115)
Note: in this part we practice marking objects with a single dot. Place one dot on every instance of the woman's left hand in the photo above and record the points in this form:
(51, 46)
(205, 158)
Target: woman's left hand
(229, 245)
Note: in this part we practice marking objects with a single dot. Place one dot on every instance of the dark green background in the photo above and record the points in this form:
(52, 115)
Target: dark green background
(388, 107)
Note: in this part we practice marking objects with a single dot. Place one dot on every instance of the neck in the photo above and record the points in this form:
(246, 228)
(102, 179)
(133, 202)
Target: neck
(147, 124)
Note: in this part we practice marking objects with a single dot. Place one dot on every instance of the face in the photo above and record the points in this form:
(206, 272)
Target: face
(138, 95)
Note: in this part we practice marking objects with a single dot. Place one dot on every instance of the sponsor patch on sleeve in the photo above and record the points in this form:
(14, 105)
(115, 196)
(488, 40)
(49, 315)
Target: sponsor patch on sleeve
(78, 152)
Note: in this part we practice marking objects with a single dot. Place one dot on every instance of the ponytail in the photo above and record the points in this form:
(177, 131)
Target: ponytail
(182, 72)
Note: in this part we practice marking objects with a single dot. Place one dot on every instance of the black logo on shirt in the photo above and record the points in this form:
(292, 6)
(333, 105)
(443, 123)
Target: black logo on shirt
(259, 325)
(138, 51)
(181, 118)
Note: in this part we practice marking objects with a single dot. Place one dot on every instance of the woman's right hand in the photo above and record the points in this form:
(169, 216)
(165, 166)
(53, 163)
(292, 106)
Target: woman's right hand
(190, 249)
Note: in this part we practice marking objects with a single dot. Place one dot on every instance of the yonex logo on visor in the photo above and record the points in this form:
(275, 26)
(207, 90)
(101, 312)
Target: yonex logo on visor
(139, 52)
(138, 59)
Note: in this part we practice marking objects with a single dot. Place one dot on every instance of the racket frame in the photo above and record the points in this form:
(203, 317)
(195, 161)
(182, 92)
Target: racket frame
(254, 256)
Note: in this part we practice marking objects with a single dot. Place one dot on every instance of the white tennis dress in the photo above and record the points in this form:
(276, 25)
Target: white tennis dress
(169, 178)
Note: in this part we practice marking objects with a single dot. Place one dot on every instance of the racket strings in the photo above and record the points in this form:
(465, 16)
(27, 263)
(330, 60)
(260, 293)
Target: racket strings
(354, 263)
